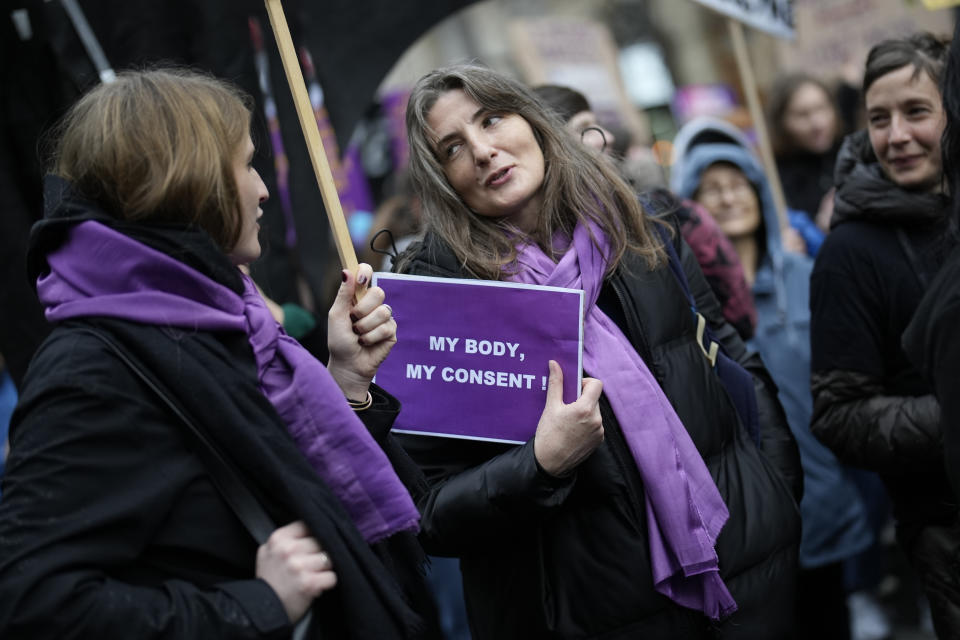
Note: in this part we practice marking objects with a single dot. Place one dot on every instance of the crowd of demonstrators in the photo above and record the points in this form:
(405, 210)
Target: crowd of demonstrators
(931, 341)
(603, 523)
(806, 131)
(713, 251)
(890, 233)
(726, 178)
(692, 490)
(114, 521)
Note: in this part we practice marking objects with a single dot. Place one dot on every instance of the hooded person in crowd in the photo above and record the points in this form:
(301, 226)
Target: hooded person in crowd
(727, 179)
(644, 508)
(801, 236)
(889, 236)
(115, 522)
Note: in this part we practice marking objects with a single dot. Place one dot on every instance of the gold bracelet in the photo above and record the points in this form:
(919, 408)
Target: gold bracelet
(360, 405)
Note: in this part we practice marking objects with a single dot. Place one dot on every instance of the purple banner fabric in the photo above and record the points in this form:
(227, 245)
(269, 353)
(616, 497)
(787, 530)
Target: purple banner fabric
(471, 356)
(394, 104)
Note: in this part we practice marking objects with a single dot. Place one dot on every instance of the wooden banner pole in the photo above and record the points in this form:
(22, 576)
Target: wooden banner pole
(759, 123)
(308, 122)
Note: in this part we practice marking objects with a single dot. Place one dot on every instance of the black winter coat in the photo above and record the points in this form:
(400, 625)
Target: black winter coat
(870, 405)
(546, 557)
(110, 526)
(932, 341)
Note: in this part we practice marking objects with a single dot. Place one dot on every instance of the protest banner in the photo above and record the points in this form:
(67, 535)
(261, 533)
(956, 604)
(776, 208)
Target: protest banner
(833, 37)
(934, 5)
(770, 16)
(471, 355)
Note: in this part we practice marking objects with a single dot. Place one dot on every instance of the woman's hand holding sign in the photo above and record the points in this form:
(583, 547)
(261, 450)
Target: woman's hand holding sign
(568, 433)
(360, 334)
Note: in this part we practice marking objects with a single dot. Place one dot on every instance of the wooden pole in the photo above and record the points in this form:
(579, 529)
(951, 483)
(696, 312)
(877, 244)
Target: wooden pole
(308, 122)
(756, 114)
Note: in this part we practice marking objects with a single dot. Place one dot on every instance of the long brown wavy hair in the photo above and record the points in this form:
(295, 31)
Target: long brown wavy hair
(578, 184)
(158, 145)
(782, 93)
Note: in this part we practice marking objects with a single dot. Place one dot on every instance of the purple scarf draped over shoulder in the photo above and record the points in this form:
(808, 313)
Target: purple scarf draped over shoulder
(685, 511)
(101, 272)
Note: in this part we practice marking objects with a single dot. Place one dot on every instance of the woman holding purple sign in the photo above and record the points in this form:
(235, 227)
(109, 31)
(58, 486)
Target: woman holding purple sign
(180, 467)
(663, 502)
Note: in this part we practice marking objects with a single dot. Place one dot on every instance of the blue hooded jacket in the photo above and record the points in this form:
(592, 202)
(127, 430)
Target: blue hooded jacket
(834, 518)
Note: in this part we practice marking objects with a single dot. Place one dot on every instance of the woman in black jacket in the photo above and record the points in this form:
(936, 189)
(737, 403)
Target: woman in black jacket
(574, 534)
(115, 521)
(890, 235)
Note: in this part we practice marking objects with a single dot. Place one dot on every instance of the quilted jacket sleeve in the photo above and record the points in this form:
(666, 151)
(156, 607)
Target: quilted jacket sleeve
(866, 428)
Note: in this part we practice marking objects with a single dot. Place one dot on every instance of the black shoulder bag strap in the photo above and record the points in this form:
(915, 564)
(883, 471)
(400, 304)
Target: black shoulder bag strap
(227, 481)
(735, 379)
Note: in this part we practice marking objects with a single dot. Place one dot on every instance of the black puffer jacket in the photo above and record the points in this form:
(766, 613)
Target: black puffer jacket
(871, 406)
(568, 558)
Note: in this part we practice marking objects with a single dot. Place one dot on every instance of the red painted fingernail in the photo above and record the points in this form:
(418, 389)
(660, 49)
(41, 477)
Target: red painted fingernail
(362, 279)
(356, 331)
(344, 275)
(353, 317)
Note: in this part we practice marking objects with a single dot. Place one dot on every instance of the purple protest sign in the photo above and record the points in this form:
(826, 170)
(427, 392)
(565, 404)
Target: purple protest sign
(471, 355)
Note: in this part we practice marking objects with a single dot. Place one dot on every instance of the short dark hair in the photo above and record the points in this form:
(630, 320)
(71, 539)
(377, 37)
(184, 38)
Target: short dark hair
(564, 101)
(924, 51)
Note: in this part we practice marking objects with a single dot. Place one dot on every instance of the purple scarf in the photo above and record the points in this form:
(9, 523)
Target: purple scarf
(101, 272)
(685, 511)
